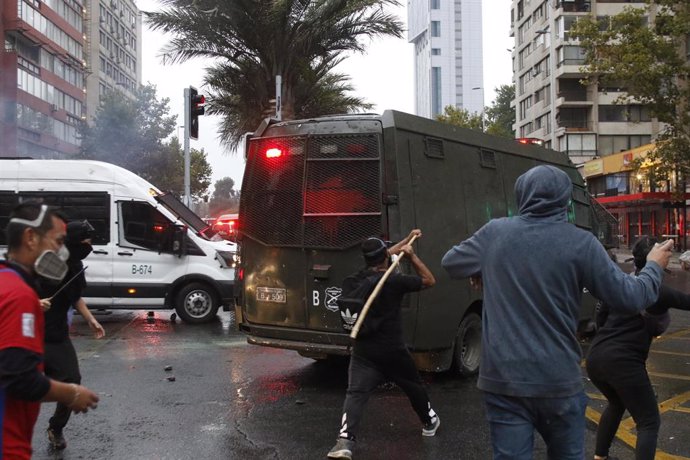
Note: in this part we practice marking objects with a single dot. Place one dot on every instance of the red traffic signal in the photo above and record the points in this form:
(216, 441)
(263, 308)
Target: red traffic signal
(196, 108)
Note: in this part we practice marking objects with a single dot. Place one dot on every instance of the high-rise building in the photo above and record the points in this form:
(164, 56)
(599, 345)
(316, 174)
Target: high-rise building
(114, 50)
(42, 77)
(447, 38)
(550, 102)
(60, 57)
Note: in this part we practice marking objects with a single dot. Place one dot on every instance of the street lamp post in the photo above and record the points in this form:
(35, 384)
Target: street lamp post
(482, 112)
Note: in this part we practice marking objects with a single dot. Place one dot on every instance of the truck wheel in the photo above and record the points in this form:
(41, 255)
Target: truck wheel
(197, 303)
(468, 345)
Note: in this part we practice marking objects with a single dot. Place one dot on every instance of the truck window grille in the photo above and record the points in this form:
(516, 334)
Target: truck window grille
(487, 158)
(330, 198)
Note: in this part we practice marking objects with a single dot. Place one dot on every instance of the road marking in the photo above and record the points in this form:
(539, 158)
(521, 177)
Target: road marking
(664, 352)
(626, 426)
(675, 335)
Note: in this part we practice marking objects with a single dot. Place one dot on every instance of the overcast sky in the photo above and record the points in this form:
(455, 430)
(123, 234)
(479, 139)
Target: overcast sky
(383, 76)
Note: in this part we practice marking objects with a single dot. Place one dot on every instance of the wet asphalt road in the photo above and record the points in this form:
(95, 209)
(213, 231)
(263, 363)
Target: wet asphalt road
(231, 400)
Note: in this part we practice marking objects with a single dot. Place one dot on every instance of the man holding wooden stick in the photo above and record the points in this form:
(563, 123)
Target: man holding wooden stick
(383, 356)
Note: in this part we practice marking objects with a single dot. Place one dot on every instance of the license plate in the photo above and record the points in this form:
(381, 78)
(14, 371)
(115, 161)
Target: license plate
(267, 294)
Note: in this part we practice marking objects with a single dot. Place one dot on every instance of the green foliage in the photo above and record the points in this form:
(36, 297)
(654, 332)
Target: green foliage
(225, 198)
(166, 170)
(131, 133)
(498, 119)
(644, 50)
(252, 41)
(460, 117)
(501, 116)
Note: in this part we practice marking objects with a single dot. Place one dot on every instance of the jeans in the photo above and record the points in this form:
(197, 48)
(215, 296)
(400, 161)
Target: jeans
(559, 421)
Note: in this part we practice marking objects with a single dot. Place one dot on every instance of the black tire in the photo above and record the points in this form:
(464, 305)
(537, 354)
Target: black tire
(468, 345)
(197, 303)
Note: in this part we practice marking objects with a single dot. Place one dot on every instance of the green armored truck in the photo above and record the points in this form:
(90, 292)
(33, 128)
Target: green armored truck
(314, 189)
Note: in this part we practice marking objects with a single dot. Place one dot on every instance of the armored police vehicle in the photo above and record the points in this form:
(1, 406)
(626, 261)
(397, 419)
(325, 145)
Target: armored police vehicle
(314, 189)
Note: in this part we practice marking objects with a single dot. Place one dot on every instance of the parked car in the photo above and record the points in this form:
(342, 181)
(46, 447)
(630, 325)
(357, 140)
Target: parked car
(226, 226)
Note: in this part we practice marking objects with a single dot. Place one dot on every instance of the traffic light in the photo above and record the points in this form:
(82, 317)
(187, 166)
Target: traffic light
(196, 108)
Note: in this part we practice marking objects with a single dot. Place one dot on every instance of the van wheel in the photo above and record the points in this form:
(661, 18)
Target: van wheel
(197, 303)
(468, 345)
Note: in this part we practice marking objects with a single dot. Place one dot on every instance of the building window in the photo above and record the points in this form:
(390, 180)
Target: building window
(435, 51)
(435, 4)
(435, 28)
(614, 144)
(435, 91)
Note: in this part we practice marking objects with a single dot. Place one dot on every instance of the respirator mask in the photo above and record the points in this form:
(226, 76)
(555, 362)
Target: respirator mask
(51, 265)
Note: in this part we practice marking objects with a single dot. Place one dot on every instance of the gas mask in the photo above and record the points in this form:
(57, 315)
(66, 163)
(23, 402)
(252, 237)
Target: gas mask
(50, 264)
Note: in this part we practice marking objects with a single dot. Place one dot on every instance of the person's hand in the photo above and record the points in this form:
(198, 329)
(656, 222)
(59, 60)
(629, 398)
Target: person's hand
(476, 283)
(98, 331)
(661, 253)
(407, 249)
(416, 232)
(45, 304)
(84, 399)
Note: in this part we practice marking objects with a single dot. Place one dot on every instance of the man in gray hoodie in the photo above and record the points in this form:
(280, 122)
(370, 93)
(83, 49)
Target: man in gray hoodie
(533, 269)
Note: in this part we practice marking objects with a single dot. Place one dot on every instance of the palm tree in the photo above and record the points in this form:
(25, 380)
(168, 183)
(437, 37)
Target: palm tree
(252, 41)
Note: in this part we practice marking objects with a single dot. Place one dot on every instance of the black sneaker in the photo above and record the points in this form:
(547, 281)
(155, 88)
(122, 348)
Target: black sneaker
(56, 440)
(431, 427)
(342, 449)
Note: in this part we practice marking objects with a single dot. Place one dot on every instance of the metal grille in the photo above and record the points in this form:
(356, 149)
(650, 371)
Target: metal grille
(344, 146)
(331, 199)
(604, 225)
(272, 200)
(487, 158)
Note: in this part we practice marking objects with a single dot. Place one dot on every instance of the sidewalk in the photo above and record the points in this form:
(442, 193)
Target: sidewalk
(624, 253)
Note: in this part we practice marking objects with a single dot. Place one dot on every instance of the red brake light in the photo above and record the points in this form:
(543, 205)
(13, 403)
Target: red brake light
(157, 228)
(273, 152)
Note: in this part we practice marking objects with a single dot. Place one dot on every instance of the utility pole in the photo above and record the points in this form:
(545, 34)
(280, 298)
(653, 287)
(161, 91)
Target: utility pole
(187, 199)
(279, 99)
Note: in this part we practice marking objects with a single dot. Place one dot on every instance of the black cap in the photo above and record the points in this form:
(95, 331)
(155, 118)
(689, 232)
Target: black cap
(374, 251)
(79, 231)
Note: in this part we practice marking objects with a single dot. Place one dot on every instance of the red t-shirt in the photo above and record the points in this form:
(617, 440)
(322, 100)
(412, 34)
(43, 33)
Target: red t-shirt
(21, 326)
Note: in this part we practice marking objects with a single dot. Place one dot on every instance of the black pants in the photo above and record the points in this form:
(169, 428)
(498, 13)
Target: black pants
(640, 401)
(366, 373)
(61, 364)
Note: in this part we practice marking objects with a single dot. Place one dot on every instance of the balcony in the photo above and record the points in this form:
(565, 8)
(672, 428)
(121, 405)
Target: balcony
(573, 6)
(575, 125)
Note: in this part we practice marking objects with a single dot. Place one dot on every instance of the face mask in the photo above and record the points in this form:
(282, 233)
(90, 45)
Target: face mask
(63, 253)
(51, 266)
(80, 251)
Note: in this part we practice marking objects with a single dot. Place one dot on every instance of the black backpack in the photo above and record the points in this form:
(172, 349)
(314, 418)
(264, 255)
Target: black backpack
(356, 290)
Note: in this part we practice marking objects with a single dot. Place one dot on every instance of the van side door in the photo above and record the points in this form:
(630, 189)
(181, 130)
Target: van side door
(146, 259)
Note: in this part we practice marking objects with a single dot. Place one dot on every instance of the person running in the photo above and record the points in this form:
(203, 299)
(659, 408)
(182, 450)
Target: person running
(534, 267)
(35, 235)
(382, 355)
(61, 361)
(616, 364)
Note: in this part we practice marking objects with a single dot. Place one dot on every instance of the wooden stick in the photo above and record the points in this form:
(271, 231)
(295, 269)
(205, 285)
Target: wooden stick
(375, 292)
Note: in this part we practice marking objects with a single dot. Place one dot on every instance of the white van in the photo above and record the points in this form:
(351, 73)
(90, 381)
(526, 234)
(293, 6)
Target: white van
(149, 252)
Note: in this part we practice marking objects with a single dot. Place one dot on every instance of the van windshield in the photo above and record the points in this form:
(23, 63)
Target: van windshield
(175, 206)
(319, 191)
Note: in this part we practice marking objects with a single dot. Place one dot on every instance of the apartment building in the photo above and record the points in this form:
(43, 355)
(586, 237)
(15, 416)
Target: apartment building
(448, 58)
(550, 102)
(114, 50)
(42, 77)
(59, 58)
